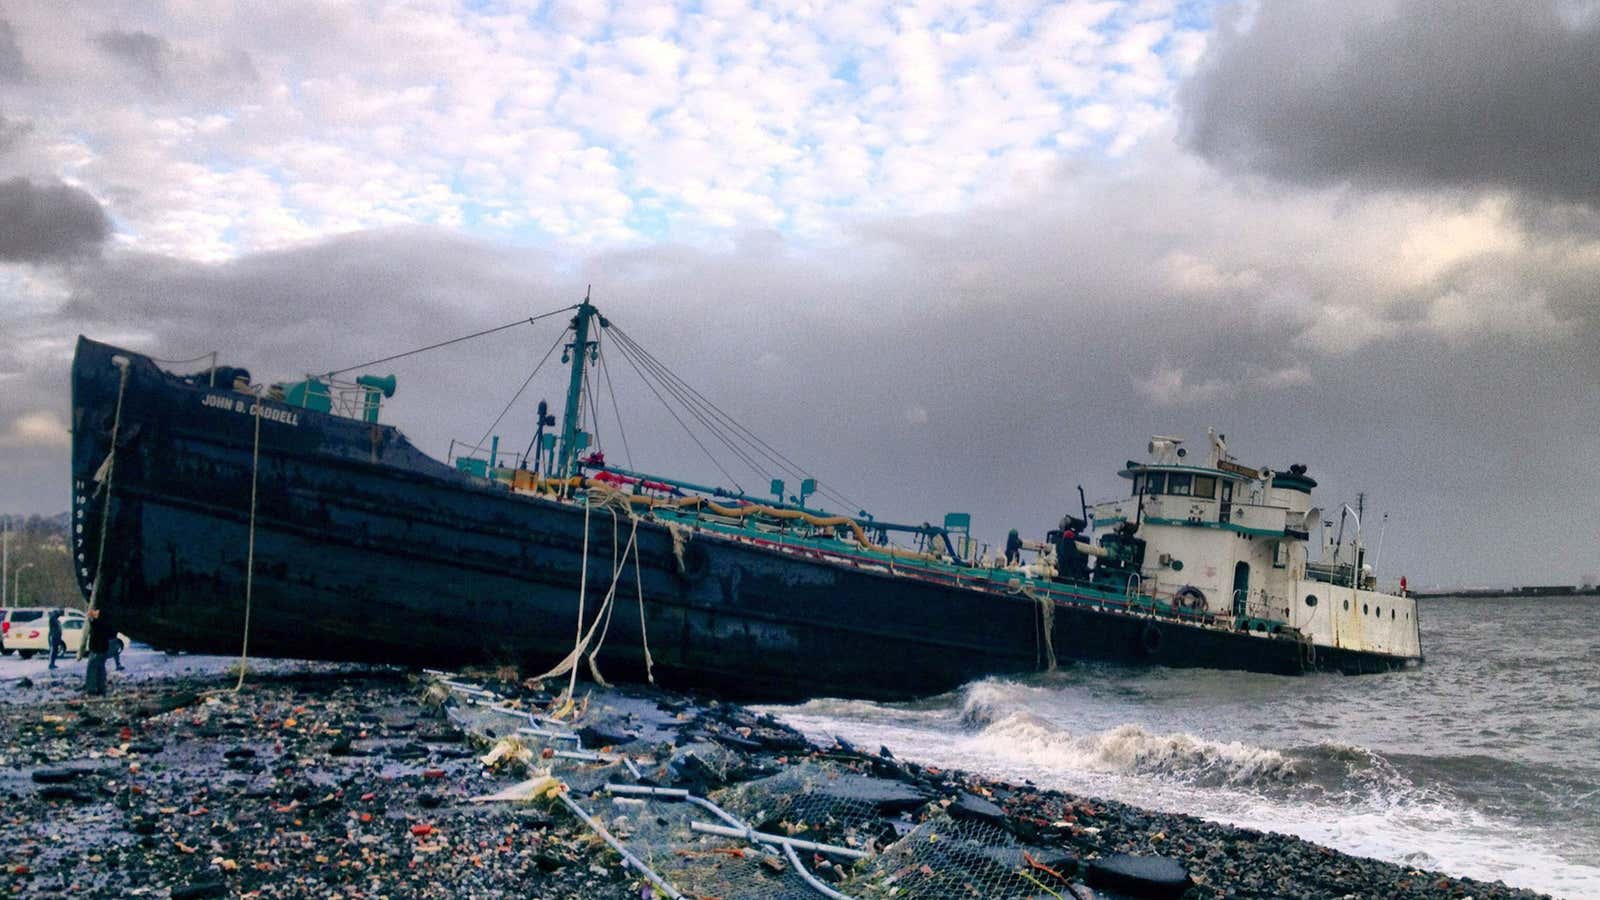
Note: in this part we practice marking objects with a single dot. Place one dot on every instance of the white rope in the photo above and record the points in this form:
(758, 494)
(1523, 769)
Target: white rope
(612, 501)
(1047, 613)
(109, 466)
(570, 662)
(644, 631)
(583, 587)
(250, 552)
(611, 595)
(1047, 619)
(680, 540)
(606, 609)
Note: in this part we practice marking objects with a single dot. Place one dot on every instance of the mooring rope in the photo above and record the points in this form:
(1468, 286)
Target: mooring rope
(607, 607)
(1047, 619)
(612, 501)
(611, 595)
(250, 551)
(570, 662)
(583, 588)
(644, 630)
(110, 466)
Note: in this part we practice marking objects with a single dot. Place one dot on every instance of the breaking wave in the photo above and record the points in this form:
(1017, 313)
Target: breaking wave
(1132, 750)
(1006, 720)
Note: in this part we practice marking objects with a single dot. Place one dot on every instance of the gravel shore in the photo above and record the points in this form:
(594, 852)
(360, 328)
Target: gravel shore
(325, 781)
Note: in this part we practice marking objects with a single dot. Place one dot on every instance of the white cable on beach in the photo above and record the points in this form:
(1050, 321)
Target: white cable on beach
(627, 857)
(810, 879)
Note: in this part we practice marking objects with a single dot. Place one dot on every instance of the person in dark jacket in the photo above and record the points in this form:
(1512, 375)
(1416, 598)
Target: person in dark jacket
(102, 632)
(1013, 548)
(58, 647)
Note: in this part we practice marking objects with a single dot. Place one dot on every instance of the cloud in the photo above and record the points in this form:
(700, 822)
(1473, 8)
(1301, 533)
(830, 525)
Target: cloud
(145, 53)
(35, 430)
(831, 224)
(12, 65)
(1416, 94)
(238, 127)
(12, 132)
(43, 223)
(1171, 386)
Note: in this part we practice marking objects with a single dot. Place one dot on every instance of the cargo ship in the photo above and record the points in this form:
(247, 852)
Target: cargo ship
(216, 515)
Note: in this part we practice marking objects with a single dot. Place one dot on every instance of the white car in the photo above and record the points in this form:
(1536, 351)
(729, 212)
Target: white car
(27, 631)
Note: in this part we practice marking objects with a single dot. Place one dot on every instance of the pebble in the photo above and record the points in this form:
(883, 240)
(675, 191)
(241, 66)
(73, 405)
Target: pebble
(200, 889)
(53, 775)
(1157, 877)
(316, 816)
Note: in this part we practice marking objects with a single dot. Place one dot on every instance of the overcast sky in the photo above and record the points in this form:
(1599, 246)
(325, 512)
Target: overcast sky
(949, 256)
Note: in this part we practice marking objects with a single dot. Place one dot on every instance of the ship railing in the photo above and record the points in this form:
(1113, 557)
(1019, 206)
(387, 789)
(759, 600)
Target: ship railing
(355, 401)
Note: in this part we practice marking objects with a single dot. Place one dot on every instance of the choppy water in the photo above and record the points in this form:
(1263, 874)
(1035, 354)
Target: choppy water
(1485, 762)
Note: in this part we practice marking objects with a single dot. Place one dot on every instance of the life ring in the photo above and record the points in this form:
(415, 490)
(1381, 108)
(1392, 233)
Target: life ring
(1150, 638)
(1191, 598)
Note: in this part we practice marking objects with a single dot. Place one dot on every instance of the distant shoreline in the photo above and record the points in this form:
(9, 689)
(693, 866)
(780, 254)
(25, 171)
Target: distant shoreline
(1537, 591)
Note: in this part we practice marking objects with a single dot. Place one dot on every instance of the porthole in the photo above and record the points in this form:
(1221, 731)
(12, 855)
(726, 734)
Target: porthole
(1380, 612)
(1391, 615)
(1311, 599)
(1177, 565)
(1347, 606)
(1365, 609)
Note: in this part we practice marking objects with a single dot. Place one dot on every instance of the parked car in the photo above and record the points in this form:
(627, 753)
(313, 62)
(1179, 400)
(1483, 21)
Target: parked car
(22, 619)
(27, 631)
(4, 650)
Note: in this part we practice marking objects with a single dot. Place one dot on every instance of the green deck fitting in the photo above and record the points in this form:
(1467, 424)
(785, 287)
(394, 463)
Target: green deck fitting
(309, 394)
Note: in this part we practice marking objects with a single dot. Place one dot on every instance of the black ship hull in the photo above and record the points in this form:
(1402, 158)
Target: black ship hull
(367, 550)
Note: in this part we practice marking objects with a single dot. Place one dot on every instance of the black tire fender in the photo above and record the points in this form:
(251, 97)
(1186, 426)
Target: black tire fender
(1150, 638)
(696, 562)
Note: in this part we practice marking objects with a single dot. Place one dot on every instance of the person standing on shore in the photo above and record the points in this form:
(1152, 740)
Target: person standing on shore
(58, 647)
(116, 649)
(101, 634)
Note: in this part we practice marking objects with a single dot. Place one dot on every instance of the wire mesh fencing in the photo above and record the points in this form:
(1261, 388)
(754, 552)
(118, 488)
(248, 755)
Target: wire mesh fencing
(817, 828)
(946, 859)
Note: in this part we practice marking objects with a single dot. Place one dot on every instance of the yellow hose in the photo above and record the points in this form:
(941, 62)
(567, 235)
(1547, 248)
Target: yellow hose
(522, 480)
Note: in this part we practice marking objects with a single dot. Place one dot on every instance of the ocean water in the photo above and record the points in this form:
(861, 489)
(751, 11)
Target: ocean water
(1484, 762)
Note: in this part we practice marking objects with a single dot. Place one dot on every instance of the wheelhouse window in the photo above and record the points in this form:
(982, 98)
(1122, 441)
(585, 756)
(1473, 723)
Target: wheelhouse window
(1154, 483)
(1205, 487)
(1179, 483)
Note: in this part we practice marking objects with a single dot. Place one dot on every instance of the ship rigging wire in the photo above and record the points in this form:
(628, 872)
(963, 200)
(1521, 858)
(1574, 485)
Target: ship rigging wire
(674, 413)
(527, 381)
(466, 337)
(680, 390)
(616, 410)
(761, 447)
(739, 440)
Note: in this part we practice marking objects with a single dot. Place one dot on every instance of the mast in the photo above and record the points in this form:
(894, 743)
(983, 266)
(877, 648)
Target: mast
(578, 351)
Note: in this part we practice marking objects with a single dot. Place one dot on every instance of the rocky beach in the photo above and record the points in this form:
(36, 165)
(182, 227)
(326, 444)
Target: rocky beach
(319, 780)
